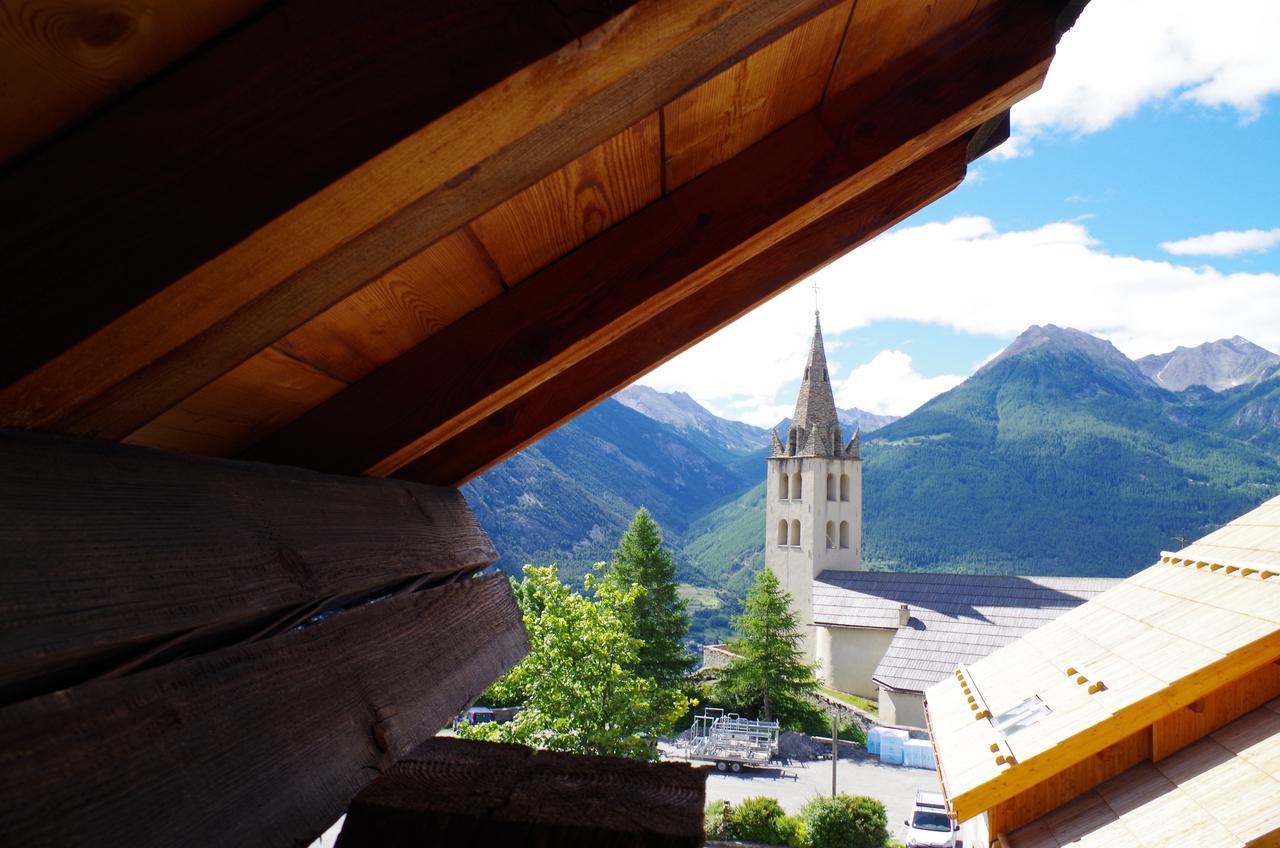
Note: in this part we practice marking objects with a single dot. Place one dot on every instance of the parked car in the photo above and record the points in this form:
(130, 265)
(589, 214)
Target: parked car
(475, 715)
(929, 825)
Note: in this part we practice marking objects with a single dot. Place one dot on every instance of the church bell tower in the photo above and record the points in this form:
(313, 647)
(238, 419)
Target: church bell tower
(814, 500)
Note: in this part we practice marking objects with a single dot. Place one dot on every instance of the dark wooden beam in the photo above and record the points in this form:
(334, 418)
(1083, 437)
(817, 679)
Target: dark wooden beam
(298, 159)
(593, 297)
(452, 793)
(114, 553)
(598, 376)
(259, 744)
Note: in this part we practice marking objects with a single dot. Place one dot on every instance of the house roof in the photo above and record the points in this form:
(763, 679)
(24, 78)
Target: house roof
(954, 618)
(474, 225)
(1223, 791)
(1148, 647)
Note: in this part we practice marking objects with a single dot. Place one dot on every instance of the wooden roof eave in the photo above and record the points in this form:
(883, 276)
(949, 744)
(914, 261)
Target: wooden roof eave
(470, 375)
(285, 227)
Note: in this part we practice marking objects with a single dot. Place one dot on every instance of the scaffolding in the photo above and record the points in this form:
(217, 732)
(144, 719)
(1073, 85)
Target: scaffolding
(730, 741)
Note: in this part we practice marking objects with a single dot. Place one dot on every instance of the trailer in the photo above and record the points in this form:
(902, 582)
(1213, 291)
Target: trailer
(730, 741)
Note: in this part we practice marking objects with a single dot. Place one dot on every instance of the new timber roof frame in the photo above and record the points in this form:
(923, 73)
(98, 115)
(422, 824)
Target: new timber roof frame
(165, 310)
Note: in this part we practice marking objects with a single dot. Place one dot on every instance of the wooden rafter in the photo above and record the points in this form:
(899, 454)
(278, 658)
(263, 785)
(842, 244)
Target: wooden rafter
(592, 298)
(653, 342)
(189, 250)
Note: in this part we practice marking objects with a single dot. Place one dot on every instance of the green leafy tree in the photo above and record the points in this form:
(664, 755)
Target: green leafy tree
(769, 676)
(578, 684)
(658, 618)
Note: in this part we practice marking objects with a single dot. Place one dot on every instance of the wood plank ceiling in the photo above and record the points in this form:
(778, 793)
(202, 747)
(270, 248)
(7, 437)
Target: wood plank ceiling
(423, 292)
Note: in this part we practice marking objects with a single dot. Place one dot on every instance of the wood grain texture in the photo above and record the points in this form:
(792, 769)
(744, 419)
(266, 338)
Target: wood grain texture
(1033, 802)
(577, 202)
(257, 397)
(743, 104)
(60, 60)
(589, 299)
(290, 227)
(883, 31)
(396, 311)
(259, 744)
(109, 549)
(453, 792)
(1179, 729)
(663, 337)
(337, 347)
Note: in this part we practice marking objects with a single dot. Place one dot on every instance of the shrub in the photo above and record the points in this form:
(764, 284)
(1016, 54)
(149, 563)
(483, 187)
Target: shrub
(714, 823)
(853, 732)
(757, 820)
(845, 821)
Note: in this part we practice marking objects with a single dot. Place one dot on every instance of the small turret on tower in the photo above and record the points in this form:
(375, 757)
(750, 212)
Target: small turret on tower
(854, 449)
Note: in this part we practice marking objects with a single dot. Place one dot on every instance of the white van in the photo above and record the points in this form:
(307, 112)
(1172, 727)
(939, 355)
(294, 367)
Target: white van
(929, 825)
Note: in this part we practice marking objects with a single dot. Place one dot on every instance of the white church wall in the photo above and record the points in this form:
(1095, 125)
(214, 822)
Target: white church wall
(905, 709)
(848, 656)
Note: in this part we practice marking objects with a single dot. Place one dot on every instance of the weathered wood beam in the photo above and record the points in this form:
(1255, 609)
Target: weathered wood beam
(774, 270)
(110, 551)
(200, 220)
(260, 744)
(645, 266)
(452, 793)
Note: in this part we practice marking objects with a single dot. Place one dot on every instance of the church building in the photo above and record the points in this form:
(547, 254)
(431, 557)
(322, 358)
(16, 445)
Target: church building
(886, 636)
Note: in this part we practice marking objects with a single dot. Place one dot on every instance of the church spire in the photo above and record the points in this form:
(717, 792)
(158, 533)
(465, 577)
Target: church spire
(815, 429)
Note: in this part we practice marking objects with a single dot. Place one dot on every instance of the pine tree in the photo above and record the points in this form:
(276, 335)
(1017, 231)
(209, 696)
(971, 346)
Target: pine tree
(769, 675)
(659, 620)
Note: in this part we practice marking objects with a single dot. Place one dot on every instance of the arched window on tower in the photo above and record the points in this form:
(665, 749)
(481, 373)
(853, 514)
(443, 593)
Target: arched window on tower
(795, 532)
(844, 534)
(844, 487)
(782, 533)
(782, 486)
(831, 535)
(795, 486)
(831, 487)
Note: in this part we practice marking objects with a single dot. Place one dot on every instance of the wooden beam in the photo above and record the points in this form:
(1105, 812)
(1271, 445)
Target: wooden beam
(769, 273)
(452, 793)
(454, 108)
(589, 299)
(258, 744)
(112, 552)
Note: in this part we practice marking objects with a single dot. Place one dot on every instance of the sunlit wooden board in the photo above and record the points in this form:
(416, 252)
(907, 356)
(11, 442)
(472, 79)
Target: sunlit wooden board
(320, 358)
(398, 310)
(746, 102)
(564, 209)
(259, 396)
(883, 31)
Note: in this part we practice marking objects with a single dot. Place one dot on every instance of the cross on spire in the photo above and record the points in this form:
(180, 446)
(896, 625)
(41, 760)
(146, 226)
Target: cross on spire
(814, 284)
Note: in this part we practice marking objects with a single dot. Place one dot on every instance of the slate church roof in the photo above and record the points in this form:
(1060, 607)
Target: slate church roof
(954, 618)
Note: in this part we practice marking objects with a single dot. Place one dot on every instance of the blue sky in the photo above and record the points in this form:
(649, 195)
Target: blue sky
(1139, 200)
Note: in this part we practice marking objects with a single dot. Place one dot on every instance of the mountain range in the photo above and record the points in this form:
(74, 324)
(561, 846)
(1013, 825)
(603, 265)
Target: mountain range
(1060, 456)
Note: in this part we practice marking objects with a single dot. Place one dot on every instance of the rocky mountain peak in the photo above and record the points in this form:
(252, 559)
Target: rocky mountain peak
(1220, 365)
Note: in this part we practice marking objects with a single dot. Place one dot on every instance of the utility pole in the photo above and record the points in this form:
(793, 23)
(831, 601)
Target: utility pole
(835, 753)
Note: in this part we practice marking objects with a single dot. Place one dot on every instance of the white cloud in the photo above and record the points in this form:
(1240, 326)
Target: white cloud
(889, 385)
(1224, 243)
(1124, 54)
(966, 275)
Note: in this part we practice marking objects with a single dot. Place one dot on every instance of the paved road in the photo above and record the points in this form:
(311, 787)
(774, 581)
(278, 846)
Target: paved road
(796, 783)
